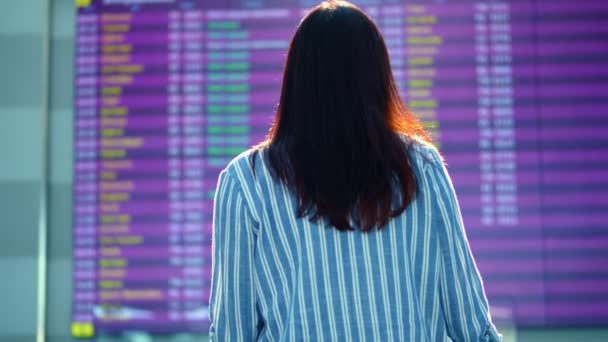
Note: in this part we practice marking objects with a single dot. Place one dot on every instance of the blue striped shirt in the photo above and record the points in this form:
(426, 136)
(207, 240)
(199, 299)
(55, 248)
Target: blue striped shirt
(277, 277)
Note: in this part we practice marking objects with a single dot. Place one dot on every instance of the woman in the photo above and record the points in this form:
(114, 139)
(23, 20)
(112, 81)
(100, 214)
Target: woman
(344, 224)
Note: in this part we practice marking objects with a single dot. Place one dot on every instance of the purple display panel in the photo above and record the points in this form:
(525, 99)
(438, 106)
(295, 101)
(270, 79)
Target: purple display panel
(572, 102)
(168, 93)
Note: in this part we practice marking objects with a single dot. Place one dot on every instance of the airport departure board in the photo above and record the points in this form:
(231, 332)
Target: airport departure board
(167, 92)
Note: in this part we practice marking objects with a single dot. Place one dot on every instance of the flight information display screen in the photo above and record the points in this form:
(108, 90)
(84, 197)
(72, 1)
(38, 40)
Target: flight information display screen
(167, 92)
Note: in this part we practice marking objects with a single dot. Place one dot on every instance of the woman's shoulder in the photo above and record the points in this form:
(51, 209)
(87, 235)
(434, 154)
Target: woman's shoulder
(422, 153)
(241, 166)
(240, 171)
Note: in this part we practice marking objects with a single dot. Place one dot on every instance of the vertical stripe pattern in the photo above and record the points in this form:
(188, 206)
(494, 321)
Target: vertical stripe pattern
(277, 277)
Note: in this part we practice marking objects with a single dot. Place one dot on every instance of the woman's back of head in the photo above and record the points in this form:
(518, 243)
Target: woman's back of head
(336, 139)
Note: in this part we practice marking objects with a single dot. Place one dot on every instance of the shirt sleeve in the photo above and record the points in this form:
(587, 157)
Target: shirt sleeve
(232, 304)
(461, 288)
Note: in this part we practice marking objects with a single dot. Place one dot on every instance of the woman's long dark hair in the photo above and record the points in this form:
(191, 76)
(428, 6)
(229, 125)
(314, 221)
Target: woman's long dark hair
(337, 135)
